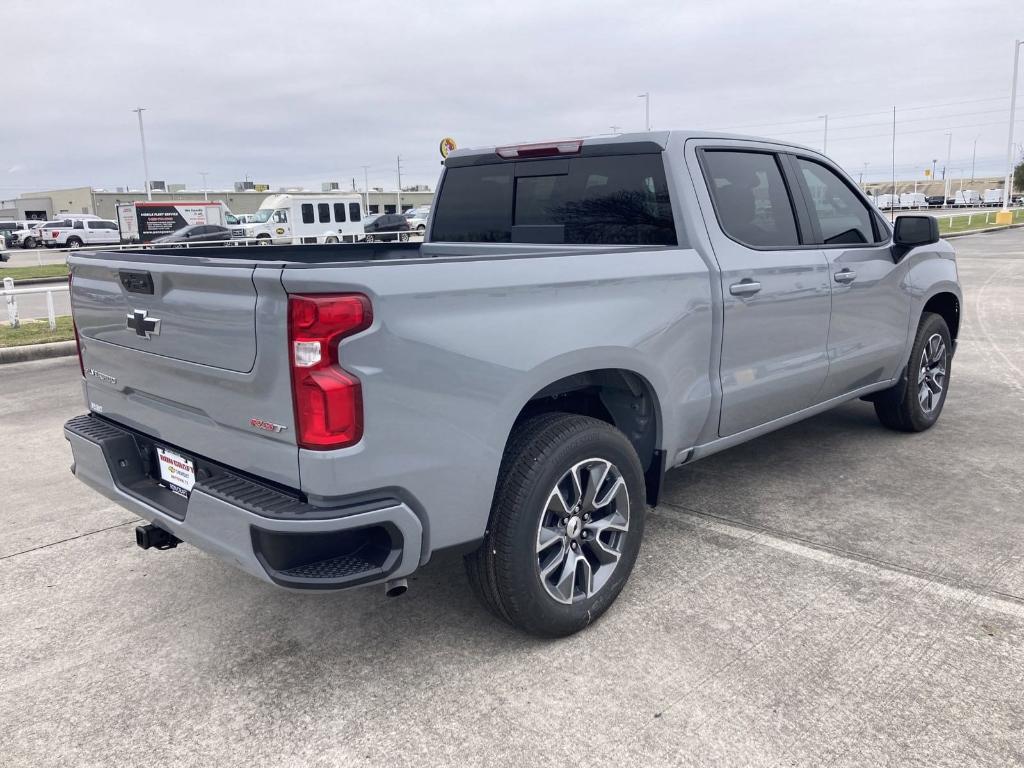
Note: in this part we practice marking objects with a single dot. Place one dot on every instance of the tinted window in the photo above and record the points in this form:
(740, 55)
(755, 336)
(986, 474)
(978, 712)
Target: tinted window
(374, 209)
(97, 225)
(78, 224)
(750, 197)
(307, 213)
(842, 216)
(339, 212)
(354, 212)
(323, 212)
(617, 200)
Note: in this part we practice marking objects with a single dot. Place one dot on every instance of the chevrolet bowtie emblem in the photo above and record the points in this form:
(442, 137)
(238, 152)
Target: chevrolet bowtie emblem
(138, 321)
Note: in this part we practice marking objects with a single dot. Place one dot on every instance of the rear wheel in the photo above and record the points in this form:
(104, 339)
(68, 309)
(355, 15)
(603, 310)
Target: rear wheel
(565, 525)
(29, 242)
(915, 403)
(403, 238)
(331, 240)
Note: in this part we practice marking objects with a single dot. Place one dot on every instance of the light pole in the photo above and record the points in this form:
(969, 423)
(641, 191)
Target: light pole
(1008, 186)
(204, 174)
(862, 172)
(974, 156)
(647, 109)
(934, 161)
(824, 142)
(946, 170)
(366, 186)
(615, 128)
(145, 160)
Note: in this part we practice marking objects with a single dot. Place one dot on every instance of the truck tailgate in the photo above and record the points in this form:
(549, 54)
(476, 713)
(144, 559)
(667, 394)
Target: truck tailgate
(169, 348)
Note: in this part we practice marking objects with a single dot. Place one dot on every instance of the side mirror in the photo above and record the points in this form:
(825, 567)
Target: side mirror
(912, 231)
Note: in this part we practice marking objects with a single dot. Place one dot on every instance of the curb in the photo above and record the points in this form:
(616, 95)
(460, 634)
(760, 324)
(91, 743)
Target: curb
(37, 280)
(37, 351)
(982, 231)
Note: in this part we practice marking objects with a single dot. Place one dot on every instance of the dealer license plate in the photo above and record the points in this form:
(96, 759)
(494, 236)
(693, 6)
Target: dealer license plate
(177, 471)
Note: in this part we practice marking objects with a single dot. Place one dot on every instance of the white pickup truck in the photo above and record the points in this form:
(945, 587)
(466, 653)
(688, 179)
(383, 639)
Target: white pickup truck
(78, 232)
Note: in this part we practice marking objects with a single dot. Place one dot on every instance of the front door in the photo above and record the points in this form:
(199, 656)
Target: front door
(775, 287)
(867, 335)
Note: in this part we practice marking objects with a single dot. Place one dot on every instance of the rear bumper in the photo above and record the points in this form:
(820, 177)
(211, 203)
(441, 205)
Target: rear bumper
(264, 532)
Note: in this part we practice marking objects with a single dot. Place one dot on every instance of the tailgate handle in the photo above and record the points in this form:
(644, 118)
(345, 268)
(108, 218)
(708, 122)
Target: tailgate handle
(137, 282)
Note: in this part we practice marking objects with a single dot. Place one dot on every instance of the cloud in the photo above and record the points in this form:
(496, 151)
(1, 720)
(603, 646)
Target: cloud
(304, 92)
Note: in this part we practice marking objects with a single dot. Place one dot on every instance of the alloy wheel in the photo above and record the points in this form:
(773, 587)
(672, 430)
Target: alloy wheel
(582, 530)
(931, 379)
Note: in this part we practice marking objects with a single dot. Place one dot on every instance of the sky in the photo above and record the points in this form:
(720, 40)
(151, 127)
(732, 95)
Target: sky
(296, 93)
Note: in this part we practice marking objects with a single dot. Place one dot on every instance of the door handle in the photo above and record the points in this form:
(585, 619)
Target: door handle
(845, 276)
(745, 287)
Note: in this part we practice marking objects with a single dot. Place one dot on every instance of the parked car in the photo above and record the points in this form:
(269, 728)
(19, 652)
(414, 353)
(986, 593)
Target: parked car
(935, 201)
(992, 197)
(386, 227)
(305, 218)
(78, 232)
(28, 236)
(584, 316)
(197, 233)
(913, 200)
(417, 218)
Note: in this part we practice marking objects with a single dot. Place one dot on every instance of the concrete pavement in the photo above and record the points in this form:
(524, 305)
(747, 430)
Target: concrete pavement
(832, 594)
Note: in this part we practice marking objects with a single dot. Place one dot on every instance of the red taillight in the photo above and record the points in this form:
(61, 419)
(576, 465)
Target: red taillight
(74, 326)
(547, 149)
(328, 400)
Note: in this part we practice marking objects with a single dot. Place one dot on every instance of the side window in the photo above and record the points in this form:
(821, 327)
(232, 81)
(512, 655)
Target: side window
(78, 224)
(842, 216)
(750, 198)
(307, 214)
(97, 225)
(339, 212)
(323, 212)
(354, 212)
(281, 216)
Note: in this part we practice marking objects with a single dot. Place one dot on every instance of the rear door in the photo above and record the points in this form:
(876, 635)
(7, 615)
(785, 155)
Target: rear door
(870, 320)
(775, 286)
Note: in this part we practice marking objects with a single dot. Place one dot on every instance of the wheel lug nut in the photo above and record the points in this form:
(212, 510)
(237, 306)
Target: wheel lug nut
(584, 534)
(587, 517)
(573, 545)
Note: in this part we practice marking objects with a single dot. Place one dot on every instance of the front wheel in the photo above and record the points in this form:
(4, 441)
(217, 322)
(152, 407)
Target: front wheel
(565, 525)
(30, 242)
(74, 242)
(915, 403)
(403, 238)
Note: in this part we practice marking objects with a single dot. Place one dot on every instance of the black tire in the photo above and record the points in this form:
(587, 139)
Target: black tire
(30, 242)
(421, 229)
(901, 408)
(331, 240)
(264, 240)
(505, 572)
(74, 242)
(403, 238)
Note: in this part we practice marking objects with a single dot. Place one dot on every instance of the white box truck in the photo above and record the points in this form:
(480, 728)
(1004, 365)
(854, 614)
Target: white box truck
(298, 218)
(142, 222)
(913, 200)
(967, 198)
(992, 197)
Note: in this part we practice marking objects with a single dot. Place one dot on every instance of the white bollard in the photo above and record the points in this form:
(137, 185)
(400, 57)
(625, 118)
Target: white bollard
(50, 314)
(12, 303)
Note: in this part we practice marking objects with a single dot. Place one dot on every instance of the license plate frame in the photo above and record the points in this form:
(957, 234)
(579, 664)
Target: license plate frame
(177, 471)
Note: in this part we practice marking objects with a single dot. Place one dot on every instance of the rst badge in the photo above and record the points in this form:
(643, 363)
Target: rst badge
(143, 325)
(266, 426)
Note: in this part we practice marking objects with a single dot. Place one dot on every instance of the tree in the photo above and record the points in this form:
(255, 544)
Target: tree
(1018, 177)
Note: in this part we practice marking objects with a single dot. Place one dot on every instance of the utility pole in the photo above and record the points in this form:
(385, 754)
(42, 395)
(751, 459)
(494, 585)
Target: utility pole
(204, 174)
(1008, 186)
(366, 186)
(145, 160)
(824, 143)
(615, 128)
(646, 96)
(892, 209)
(398, 197)
(974, 156)
(862, 172)
(945, 171)
(934, 161)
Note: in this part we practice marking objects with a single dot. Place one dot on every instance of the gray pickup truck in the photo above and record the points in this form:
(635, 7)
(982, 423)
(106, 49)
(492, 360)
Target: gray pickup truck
(583, 316)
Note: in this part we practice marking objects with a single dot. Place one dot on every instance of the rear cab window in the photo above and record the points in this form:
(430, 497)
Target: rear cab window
(605, 200)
